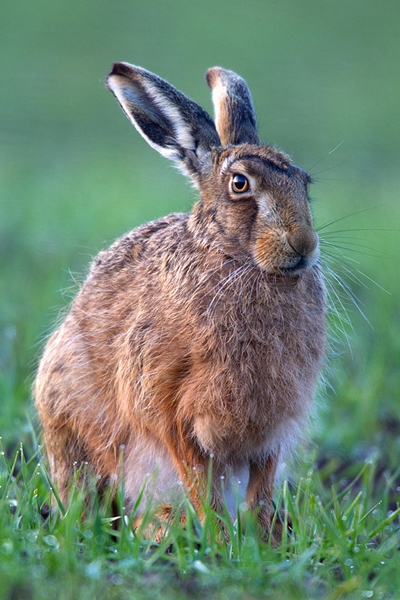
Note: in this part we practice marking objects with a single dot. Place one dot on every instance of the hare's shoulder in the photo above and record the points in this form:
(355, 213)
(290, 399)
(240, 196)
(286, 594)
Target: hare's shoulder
(146, 239)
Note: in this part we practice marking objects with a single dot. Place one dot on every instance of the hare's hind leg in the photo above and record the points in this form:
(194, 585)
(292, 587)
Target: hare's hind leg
(67, 457)
(259, 494)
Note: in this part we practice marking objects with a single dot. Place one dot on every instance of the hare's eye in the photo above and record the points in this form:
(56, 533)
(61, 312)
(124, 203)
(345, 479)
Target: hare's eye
(239, 183)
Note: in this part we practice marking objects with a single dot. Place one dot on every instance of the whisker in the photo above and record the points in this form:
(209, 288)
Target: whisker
(354, 250)
(226, 283)
(374, 282)
(341, 260)
(216, 269)
(358, 212)
(350, 295)
(337, 318)
(358, 229)
(351, 241)
(324, 157)
(342, 264)
(329, 168)
(341, 257)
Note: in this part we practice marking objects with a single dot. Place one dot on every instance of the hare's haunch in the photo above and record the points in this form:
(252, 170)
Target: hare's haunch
(195, 334)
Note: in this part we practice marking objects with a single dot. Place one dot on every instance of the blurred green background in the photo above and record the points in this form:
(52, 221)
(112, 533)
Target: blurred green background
(74, 174)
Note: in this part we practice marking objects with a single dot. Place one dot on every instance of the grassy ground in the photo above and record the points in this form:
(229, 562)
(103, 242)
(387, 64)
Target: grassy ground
(343, 543)
(74, 176)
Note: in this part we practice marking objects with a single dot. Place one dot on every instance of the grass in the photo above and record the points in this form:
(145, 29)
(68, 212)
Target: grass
(343, 542)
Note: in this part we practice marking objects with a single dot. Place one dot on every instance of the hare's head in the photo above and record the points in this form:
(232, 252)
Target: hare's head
(253, 197)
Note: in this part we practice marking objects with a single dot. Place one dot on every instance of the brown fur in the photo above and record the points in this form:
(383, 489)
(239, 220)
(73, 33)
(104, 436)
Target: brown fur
(193, 335)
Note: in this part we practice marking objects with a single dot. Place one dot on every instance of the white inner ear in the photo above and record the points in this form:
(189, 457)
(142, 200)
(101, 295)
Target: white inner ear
(121, 91)
(181, 128)
(218, 93)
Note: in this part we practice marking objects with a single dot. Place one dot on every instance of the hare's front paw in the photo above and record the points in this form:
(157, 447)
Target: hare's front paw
(154, 526)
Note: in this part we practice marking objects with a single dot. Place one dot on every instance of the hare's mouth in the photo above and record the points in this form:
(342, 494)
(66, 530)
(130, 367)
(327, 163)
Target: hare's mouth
(296, 266)
(303, 263)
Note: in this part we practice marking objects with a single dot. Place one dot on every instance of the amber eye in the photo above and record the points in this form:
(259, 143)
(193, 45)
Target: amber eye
(239, 183)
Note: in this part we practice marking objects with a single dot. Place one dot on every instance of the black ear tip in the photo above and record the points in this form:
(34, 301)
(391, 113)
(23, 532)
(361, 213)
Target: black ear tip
(120, 68)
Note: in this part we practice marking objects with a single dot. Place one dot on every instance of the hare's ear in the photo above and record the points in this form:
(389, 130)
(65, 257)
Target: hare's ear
(235, 117)
(169, 121)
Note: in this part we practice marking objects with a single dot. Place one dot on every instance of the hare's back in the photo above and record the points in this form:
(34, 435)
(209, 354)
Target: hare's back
(143, 244)
(129, 281)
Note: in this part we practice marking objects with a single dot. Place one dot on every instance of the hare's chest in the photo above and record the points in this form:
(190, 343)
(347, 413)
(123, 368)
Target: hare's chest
(255, 395)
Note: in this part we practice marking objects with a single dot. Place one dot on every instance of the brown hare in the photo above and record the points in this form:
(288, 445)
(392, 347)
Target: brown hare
(197, 334)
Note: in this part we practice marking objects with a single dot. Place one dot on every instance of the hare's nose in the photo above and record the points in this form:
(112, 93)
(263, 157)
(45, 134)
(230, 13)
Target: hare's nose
(304, 241)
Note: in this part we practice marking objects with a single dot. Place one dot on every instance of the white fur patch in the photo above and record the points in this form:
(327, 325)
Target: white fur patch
(172, 112)
(226, 164)
(265, 208)
(234, 487)
(219, 93)
(149, 469)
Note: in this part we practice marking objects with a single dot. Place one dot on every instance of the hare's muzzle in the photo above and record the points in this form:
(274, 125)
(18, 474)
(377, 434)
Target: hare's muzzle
(304, 241)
